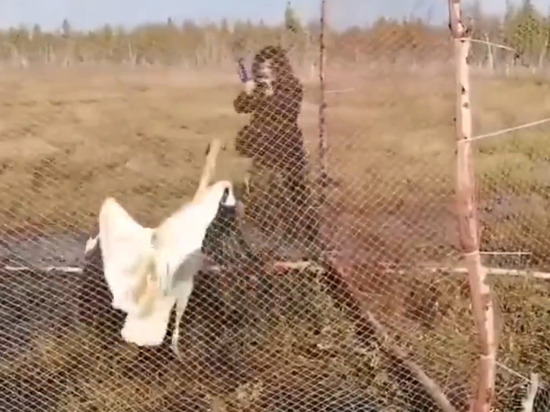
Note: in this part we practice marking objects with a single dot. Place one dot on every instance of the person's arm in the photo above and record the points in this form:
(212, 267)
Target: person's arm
(288, 99)
(249, 99)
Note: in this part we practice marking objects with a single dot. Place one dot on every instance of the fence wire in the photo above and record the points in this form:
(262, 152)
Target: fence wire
(393, 210)
(344, 293)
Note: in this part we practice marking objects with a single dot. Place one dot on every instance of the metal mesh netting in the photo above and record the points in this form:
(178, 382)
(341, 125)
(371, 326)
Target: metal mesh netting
(338, 285)
(391, 212)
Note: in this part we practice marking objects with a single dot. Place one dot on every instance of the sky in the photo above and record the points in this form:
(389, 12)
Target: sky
(89, 14)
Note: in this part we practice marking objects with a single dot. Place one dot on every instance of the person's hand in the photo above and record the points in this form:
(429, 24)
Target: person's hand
(269, 89)
(266, 86)
(249, 86)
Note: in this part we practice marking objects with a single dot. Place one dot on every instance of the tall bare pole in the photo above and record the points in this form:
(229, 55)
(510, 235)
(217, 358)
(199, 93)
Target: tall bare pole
(323, 144)
(468, 226)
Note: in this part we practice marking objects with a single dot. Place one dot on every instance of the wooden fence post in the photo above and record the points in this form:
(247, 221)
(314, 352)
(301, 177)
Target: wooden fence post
(482, 304)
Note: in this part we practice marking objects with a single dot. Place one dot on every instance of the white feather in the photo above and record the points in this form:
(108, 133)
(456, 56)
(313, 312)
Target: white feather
(180, 237)
(126, 249)
(91, 244)
(149, 329)
(148, 270)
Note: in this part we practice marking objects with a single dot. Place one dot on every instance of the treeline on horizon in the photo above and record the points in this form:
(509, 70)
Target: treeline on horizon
(523, 29)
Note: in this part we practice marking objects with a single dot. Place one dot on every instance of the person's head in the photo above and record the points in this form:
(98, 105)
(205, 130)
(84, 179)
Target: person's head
(271, 64)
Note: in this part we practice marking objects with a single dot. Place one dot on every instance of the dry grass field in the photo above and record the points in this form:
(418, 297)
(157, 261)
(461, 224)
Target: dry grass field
(70, 137)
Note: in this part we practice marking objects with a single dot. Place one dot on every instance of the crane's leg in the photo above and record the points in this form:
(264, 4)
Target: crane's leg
(183, 291)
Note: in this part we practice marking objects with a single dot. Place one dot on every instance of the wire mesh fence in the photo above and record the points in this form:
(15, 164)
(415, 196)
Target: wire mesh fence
(335, 283)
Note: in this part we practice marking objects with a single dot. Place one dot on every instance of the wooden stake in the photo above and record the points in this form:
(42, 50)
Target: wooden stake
(482, 304)
(323, 145)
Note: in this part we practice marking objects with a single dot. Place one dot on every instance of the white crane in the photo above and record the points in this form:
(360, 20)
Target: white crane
(148, 270)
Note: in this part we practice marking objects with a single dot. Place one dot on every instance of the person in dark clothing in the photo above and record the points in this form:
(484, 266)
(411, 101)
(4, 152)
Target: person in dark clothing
(274, 140)
(273, 97)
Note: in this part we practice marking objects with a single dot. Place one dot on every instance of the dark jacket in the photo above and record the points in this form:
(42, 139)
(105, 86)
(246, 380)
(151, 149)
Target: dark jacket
(273, 137)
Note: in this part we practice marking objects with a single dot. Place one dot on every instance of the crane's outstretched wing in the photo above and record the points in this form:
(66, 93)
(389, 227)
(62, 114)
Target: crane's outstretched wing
(128, 259)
